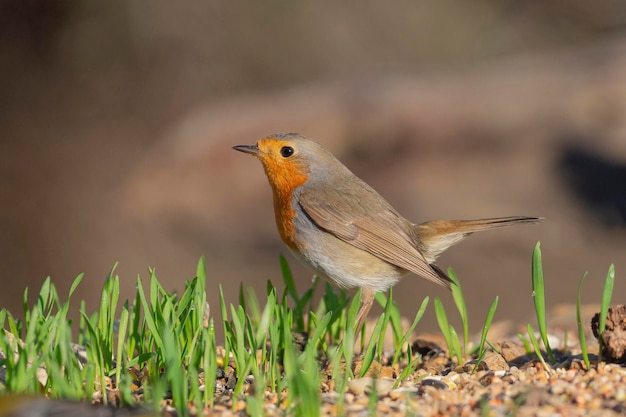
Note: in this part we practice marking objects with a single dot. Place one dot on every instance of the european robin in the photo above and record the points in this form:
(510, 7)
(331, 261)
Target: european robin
(340, 226)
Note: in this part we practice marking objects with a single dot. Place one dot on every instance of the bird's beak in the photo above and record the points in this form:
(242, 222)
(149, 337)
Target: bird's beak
(251, 149)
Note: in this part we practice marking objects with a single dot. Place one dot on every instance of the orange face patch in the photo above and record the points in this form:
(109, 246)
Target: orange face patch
(285, 174)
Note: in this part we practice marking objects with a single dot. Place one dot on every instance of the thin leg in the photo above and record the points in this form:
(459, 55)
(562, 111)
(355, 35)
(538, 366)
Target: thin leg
(367, 299)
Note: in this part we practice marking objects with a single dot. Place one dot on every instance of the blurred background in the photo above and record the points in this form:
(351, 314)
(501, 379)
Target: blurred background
(117, 121)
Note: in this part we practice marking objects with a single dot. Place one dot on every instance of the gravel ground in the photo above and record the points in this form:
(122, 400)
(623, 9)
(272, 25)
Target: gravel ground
(509, 383)
(527, 390)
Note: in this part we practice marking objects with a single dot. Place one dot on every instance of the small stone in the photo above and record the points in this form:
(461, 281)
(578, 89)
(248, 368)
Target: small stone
(557, 389)
(581, 400)
(434, 382)
(453, 377)
(363, 400)
(512, 352)
(451, 385)
(357, 386)
(383, 386)
(437, 365)
(469, 366)
(356, 409)
(397, 394)
(487, 378)
(332, 409)
(495, 361)
(330, 397)
(364, 385)
(428, 344)
(373, 371)
(241, 406)
(387, 372)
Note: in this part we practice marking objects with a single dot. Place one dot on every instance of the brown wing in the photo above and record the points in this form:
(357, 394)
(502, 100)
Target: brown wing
(361, 218)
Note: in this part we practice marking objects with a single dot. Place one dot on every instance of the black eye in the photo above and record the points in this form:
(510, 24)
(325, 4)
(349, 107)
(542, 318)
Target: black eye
(286, 151)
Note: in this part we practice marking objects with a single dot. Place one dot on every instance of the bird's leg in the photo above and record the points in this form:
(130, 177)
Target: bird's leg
(367, 299)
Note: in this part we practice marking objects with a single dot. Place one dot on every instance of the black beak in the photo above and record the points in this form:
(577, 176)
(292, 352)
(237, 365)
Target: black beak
(251, 149)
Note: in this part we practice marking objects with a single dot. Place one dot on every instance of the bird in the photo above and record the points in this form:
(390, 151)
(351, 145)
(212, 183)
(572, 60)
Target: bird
(337, 224)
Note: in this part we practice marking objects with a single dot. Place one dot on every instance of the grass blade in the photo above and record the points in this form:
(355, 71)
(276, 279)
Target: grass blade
(483, 334)
(535, 345)
(449, 334)
(579, 323)
(459, 301)
(539, 299)
(405, 337)
(607, 293)
(370, 352)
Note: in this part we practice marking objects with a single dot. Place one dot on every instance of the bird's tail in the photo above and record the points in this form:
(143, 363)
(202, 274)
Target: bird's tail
(436, 236)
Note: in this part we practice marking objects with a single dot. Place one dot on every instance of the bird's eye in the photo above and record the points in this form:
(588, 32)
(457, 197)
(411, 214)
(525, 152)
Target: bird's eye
(286, 151)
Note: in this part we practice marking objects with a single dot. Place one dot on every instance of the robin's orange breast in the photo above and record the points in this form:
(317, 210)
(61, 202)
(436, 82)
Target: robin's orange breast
(284, 180)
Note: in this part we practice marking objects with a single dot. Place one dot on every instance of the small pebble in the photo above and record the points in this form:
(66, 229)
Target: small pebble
(364, 385)
(435, 383)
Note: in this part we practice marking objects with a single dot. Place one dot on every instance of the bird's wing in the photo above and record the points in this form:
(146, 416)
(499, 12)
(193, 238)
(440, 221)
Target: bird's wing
(360, 218)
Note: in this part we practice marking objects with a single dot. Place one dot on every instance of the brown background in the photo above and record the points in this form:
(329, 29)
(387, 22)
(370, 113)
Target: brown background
(117, 120)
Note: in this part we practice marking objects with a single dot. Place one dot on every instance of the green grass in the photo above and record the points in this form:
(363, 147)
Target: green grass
(540, 302)
(535, 345)
(579, 324)
(458, 348)
(459, 302)
(449, 333)
(165, 343)
(168, 342)
(540, 311)
(483, 334)
(607, 293)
